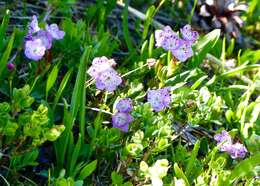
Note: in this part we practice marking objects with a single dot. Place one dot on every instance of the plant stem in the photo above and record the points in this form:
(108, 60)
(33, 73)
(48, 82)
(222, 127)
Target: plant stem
(130, 72)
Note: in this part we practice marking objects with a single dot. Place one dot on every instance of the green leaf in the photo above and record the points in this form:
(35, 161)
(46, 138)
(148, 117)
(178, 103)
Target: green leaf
(76, 102)
(51, 79)
(192, 11)
(5, 56)
(255, 113)
(245, 167)
(210, 38)
(151, 45)
(198, 82)
(125, 28)
(148, 19)
(204, 46)
(240, 69)
(87, 170)
(4, 26)
(192, 159)
(75, 155)
(62, 87)
(117, 179)
(179, 173)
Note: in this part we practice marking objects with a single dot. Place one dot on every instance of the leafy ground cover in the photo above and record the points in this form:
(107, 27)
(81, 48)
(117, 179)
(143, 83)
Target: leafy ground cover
(129, 93)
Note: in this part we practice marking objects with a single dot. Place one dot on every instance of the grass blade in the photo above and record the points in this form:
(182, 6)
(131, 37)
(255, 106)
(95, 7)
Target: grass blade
(63, 84)
(6, 54)
(51, 79)
(87, 170)
(240, 69)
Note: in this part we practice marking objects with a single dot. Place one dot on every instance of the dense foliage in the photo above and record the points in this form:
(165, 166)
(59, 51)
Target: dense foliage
(129, 93)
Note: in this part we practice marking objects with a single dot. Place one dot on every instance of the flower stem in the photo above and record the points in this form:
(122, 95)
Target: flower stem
(132, 71)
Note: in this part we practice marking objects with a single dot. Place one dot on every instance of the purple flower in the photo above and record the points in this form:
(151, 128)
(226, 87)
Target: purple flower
(170, 41)
(33, 26)
(122, 120)
(124, 105)
(159, 99)
(184, 51)
(167, 39)
(108, 80)
(223, 136)
(99, 64)
(54, 31)
(10, 66)
(224, 140)
(45, 37)
(159, 37)
(34, 49)
(237, 150)
(188, 34)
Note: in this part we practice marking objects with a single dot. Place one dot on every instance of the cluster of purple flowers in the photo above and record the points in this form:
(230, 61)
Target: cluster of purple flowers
(37, 40)
(105, 76)
(225, 143)
(159, 99)
(180, 47)
(123, 118)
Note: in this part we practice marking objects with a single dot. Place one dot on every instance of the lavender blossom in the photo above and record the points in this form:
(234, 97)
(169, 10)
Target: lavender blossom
(224, 140)
(167, 39)
(108, 80)
(46, 38)
(184, 51)
(170, 41)
(188, 34)
(223, 136)
(237, 150)
(99, 65)
(159, 99)
(33, 26)
(124, 105)
(122, 120)
(34, 49)
(54, 31)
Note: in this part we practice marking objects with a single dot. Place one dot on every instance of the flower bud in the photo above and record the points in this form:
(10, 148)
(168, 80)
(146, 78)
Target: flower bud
(10, 66)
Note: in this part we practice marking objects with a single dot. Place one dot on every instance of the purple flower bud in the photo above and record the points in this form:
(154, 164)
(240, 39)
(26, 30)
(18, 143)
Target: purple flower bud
(46, 38)
(124, 105)
(122, 120)
(159, 99)
(188, 34)
(151, 62)
(237, 150)
(54, 31)
(108, 80)
(33, 26)
(34, 49)
(10, 66)
(184, 51)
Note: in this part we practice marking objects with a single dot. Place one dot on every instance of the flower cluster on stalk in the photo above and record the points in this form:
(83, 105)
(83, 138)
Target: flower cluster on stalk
(104, 74)
(38, 40)
(169, 40)
(123, 118)
(236, 150)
